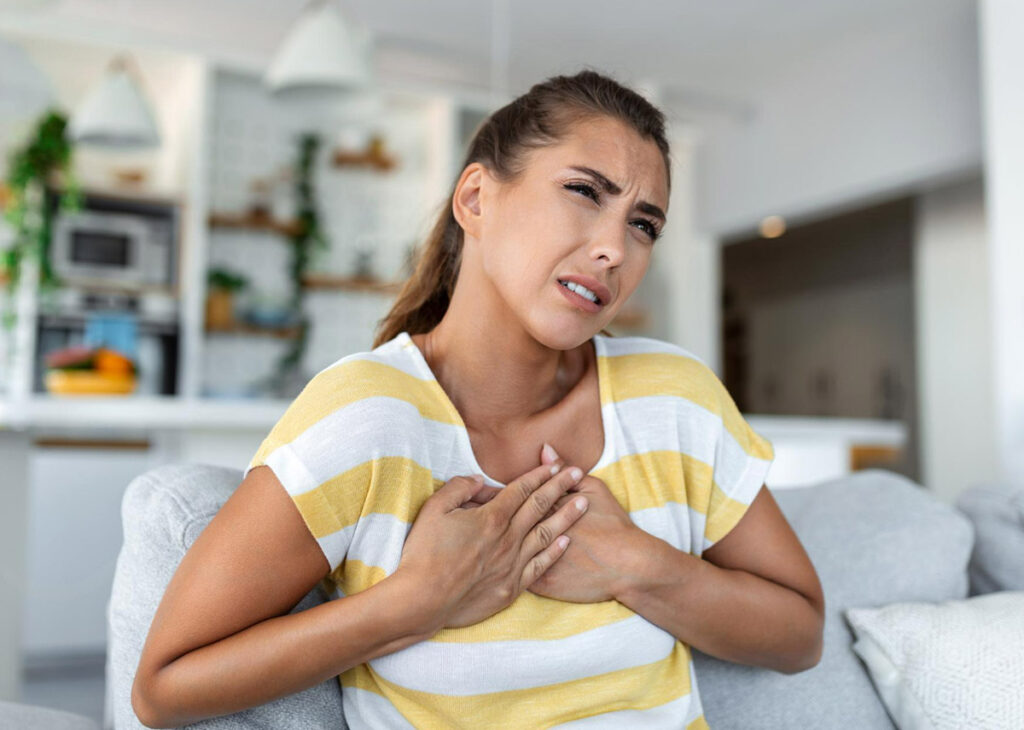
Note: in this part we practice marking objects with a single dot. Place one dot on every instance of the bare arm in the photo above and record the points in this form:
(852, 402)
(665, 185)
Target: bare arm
(753, 598)
(222, 639)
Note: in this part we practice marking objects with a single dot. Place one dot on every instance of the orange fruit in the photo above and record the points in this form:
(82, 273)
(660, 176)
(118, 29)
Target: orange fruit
(111, 361)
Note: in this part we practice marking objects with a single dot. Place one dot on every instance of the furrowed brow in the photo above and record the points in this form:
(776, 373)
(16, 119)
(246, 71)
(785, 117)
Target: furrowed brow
(613, 189)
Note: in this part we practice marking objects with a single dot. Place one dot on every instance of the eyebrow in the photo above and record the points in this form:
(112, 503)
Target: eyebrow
(612, 189)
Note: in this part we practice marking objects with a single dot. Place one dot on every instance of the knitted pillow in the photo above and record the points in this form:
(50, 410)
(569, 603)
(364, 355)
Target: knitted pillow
(955, 664)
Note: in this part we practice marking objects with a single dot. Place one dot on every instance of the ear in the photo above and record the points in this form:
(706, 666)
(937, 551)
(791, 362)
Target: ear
(466, 202)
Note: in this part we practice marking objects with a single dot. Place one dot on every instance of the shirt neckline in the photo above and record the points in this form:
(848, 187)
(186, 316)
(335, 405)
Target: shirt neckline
(467, 447)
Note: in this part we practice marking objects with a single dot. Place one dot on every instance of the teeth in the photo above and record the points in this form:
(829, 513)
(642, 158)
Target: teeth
(581, 290)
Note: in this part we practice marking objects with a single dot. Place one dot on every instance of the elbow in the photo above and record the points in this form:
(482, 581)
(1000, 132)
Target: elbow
(809, 660)
(814, 648)
(143, 705)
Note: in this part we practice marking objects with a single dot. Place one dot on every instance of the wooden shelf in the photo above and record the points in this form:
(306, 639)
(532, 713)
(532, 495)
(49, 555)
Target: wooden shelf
(362, 158)
(250, 222)
(243, 328)
(631, 319)
(349, 283)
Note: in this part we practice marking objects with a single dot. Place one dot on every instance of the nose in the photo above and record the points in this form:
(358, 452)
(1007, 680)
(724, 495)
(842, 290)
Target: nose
(609, 242)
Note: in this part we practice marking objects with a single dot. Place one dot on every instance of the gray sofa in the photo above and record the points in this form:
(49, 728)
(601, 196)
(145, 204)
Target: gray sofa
(874, 537)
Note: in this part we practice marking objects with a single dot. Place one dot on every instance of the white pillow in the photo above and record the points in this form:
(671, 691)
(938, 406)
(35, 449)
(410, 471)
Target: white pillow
(955, 664)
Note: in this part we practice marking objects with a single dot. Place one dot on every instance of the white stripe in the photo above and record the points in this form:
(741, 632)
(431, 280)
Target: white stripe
(454, 669)
(370, 428)
(366, 709)
(378, 541)
(673, 522)
(635, 345)
(670, 715)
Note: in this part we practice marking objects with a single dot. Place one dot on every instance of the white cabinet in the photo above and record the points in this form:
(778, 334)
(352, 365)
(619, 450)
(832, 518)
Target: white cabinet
(74, 536)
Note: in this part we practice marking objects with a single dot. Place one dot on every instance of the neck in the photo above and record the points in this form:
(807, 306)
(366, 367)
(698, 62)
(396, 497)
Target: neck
(498, 376)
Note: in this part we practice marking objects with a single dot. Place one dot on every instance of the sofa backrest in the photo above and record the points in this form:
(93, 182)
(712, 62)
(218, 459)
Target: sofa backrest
(163, 511)
(874, 538)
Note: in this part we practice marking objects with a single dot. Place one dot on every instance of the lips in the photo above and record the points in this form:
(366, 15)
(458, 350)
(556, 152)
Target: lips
(580, 302)
(602, 292)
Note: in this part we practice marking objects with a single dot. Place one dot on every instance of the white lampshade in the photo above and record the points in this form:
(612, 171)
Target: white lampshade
(323, 48)
(115, 114)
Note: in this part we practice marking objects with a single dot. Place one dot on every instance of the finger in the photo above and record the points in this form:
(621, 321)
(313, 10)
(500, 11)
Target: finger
(515, 494)
(456, 492)
(548, 455)
(543, 560)
(549, 530)
(485, 495)
(541, 500)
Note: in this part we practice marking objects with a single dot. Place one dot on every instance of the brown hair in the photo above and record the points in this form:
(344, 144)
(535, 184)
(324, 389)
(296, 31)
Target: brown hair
(540, 117)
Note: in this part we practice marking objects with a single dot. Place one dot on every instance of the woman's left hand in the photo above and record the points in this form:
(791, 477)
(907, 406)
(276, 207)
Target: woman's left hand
(591, 568)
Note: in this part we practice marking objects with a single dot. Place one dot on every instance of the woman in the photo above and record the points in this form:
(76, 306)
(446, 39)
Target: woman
(461, 602)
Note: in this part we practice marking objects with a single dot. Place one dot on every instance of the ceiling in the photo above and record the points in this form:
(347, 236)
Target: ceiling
(691, 46)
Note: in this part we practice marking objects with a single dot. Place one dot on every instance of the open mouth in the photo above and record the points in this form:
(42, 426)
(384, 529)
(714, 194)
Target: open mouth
(581, 291)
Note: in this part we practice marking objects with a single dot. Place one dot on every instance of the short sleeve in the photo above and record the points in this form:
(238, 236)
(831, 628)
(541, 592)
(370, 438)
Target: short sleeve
(741, 459)
(327, 484)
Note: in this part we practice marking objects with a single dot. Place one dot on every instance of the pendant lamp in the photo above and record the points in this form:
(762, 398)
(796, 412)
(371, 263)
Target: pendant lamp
(324, 48)
(116, 113)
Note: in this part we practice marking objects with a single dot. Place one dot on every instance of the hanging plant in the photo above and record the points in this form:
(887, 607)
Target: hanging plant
(44, 161)
(308, 237)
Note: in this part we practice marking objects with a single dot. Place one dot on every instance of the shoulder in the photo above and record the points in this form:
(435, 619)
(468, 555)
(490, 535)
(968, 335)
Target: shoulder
(353, 400)
(645, 366)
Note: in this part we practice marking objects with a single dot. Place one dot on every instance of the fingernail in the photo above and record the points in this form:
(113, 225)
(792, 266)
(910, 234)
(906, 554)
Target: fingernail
(581, 504)
(563, 541)
(478, 478)
(549, 452)
(576, 473)
(555, 468)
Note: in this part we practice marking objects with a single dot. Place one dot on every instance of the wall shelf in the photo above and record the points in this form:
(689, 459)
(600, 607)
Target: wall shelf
(250, 222)
(631, 319)
(360, 158)
(331, 282)
(243, 328)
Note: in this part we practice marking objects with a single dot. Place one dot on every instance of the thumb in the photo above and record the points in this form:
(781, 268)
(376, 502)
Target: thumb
(457, 491)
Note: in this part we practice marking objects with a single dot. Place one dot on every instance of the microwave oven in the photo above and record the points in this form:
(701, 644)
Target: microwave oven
(114, 249)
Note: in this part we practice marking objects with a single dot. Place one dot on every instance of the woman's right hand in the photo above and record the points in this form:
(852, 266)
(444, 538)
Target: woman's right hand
(471, 563)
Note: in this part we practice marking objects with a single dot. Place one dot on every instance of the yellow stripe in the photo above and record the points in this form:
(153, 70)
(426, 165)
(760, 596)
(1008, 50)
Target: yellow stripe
(664, 374)
(394, 485)
(725, 513)
(650, 479)
(699, 724)
(636, 688)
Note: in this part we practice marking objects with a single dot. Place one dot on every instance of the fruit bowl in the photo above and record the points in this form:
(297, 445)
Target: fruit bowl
(88, 382)
(79, 370)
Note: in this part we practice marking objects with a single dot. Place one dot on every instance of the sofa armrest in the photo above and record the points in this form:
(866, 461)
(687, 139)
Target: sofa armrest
(163, 511)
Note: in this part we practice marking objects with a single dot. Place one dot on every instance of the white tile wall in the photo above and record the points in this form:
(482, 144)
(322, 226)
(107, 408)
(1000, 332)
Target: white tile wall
(254, 135)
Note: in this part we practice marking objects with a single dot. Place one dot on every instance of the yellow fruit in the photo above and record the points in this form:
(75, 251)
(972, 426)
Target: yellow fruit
(88, 382)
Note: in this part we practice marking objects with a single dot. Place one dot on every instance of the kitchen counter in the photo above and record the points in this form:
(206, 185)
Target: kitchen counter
(140, 412)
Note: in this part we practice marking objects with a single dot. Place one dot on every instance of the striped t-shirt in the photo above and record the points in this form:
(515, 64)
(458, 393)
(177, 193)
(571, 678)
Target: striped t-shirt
(372, 436)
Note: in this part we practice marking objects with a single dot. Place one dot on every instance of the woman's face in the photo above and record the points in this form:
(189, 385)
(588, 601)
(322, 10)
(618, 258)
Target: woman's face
(559, 220)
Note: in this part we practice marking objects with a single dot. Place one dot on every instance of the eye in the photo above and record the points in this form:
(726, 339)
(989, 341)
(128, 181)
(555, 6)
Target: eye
(584, 189)
(648, 228)
(591, 192)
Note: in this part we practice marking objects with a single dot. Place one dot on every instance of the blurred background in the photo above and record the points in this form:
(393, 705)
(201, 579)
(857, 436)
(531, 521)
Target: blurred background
(206, 203)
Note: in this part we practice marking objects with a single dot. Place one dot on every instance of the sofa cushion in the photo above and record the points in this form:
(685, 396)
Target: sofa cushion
(997, 562)
(874, 538)
(163, 511)
(955, 664)
(29, 717)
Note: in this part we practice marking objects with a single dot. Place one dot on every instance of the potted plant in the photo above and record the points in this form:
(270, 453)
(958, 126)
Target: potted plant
(44, 162)
(222, 285)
